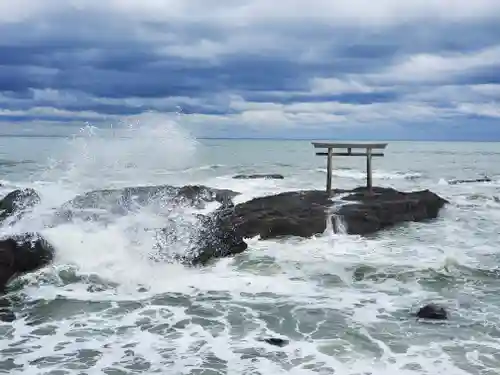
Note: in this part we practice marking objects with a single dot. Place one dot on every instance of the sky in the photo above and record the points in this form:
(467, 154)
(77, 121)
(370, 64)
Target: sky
(357, 69)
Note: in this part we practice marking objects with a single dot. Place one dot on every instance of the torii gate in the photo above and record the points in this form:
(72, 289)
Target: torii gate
(346, 150)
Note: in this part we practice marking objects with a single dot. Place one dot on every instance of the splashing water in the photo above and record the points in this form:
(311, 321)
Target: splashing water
(142, 150)
(335, 224)
(134, 154)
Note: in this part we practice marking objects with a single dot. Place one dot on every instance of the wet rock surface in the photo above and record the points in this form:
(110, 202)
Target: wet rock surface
(17, 202)
(215, 239)
(275, 341)
(432, 311)
(469, 181)
(103, 204)
(272, 176)
(141, 195)
(21, 254)
(387, 207)
(304, 213)
(201, 240)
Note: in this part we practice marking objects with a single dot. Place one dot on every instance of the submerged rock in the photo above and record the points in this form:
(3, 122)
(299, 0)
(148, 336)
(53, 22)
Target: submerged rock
(256, 176)
(304, 213)
(17, 202)
(455, 182)
(275, 341)
(433, 312)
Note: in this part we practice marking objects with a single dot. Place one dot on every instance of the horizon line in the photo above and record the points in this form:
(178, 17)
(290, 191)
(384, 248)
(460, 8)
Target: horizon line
(278, 138)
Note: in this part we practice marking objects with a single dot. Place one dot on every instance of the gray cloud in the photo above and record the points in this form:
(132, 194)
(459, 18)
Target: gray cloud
(246, 65)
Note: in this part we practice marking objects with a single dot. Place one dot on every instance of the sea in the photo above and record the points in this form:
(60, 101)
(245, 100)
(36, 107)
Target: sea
(345, 304)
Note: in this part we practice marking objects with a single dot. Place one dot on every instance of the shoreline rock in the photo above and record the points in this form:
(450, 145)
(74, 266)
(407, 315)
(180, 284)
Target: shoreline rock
(20, 254)
(126, 197)
(304, 213)
(272, 176)
(102, 204)
(15, 203)
(388, 207)
(222, 232)
(432, 311)
(456, 182)
(214, 239)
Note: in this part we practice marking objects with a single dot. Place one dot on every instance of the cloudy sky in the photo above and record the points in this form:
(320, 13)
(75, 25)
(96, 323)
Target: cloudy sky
(392, 69)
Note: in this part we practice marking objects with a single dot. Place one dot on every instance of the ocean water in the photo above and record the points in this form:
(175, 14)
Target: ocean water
(345, 303)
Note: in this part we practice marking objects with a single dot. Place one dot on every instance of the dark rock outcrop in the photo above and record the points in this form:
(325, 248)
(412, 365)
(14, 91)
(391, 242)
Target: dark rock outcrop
(21, 254)
(433, 312)
(17, 202)
(203, 239)
(385, 208)
(100, 204)
(275, 341)
(215, 239)
(195, 194)
(142, 195)
(271, 176)
(304, 213)
(455, 182)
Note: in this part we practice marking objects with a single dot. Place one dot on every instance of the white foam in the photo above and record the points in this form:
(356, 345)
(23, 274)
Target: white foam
(377, 174)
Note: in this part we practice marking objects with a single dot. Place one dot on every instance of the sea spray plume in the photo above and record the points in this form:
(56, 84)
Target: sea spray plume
(139, 149)
(136, 152)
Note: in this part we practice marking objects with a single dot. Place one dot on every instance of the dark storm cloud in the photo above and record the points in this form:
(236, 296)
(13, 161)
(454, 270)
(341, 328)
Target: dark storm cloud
(486, 75)
(23, 118)
(236, 68)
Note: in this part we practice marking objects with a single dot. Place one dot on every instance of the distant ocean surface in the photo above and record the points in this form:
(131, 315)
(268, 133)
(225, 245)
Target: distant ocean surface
(344, 302)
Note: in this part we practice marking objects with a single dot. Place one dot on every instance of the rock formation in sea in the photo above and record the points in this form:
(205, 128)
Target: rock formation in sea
(275, 341)
(272, 176)
(432, 311)
(483, 179)
(21, 254)
(17, 202)
(214, 239)
(222, 232)
(125, 199)
(304, 213)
